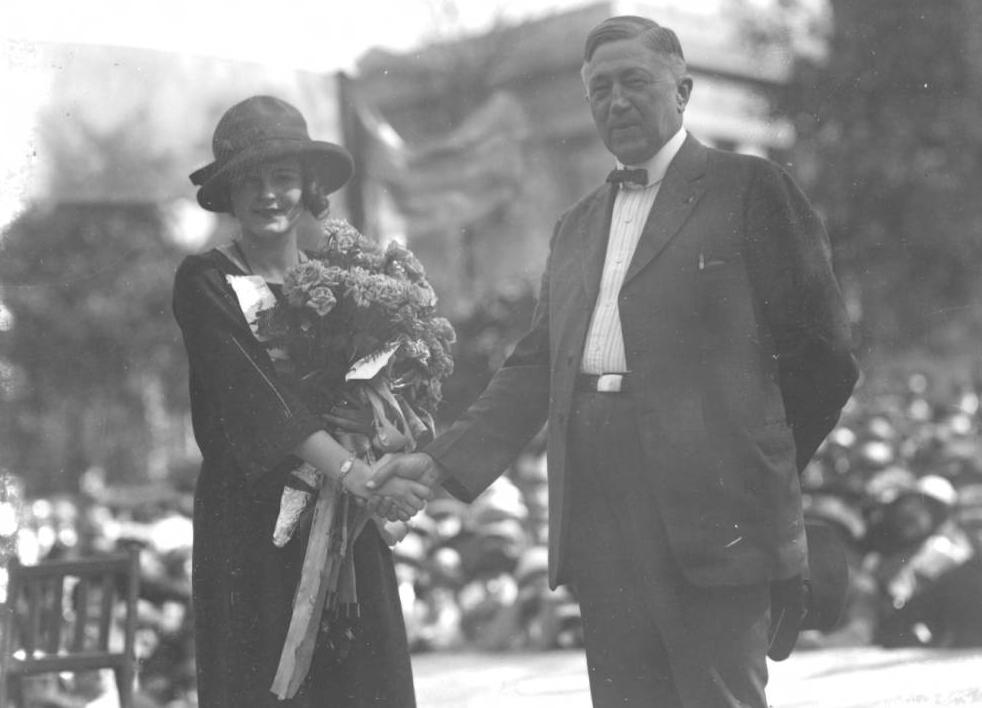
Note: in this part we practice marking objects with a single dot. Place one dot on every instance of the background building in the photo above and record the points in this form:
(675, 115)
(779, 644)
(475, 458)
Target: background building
(497, 140)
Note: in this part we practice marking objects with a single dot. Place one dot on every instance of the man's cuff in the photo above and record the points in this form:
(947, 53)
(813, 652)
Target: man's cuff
(446, 480)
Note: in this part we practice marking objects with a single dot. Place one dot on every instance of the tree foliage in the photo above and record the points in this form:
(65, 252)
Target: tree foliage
(890, 139)
(92, 357)
(88, 289)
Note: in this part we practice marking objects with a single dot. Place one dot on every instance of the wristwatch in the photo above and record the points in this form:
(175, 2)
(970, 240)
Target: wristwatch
(345, 468)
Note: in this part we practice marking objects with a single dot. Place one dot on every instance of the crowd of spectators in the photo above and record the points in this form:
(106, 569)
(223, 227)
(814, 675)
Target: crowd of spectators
(900, 478)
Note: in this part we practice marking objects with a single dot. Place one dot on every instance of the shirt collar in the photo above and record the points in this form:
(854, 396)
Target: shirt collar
(657, 166)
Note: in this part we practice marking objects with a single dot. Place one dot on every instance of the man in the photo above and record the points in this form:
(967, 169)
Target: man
(690, 350)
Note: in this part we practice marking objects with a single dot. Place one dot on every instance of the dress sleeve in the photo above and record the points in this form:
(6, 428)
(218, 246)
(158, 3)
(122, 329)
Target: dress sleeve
(261, 416)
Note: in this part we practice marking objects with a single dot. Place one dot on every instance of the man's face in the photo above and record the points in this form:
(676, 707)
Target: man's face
(266, 199)
(635, 97)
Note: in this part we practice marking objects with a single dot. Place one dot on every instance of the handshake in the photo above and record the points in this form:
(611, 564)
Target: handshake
(397, 487)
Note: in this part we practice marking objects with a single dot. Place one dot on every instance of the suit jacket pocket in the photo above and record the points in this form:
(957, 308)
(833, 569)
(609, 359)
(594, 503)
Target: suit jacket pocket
(712, 264)
(724, 301)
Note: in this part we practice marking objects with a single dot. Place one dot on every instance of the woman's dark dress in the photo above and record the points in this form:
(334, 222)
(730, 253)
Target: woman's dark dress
(246, 421)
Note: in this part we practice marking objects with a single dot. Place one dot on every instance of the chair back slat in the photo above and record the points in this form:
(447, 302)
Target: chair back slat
(89, 567)
(32, 627)
(55, 611)
(81, 602)
(39, 636)
(107, 599)
(132, 598)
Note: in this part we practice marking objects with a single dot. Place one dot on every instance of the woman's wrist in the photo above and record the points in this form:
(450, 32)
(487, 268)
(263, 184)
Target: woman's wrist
(351, 478)
(344, 469)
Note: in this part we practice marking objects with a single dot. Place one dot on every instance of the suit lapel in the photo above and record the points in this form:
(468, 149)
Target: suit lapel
(678, 195)
(593, 237)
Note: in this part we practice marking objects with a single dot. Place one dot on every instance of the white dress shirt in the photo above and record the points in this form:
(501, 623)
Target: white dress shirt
(603, 352)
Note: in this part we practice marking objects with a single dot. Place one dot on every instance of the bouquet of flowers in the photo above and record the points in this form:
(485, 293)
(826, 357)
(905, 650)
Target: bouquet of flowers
(357, 327)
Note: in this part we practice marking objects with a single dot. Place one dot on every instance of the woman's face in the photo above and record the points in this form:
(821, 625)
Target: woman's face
(267, 198)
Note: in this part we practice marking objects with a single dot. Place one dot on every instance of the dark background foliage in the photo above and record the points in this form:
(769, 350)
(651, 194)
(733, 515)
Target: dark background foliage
(889, 147)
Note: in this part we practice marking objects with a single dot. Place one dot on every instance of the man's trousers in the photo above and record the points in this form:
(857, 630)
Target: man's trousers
(652, 638)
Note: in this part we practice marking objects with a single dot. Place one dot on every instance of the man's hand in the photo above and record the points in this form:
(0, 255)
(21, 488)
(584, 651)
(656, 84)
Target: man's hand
(415, 468)
(397, 499)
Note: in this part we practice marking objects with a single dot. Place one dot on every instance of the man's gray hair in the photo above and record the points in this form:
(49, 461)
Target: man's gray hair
(659, 39)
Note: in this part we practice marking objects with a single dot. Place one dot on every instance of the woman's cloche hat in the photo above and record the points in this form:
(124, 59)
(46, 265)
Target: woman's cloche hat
(259, 129)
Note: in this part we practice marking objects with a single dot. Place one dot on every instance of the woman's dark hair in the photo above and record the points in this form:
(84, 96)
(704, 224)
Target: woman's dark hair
(659, 39)
(314, 194)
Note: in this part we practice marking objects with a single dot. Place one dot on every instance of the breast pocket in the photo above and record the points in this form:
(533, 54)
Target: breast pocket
(725, 302)
(712, 265)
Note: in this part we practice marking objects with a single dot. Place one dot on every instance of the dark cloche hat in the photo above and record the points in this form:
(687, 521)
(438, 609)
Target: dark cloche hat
(259, 129)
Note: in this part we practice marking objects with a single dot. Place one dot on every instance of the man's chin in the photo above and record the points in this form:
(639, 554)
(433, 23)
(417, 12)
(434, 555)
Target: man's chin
(632, 154)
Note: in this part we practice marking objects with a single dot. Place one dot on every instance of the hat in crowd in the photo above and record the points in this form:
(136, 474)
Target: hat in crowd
(937, 488)
(534, 562)
(410, 549)
(875, 454)
(886, 485)
(260, 129)
(970, 496)
(508, 530)
(834, 510)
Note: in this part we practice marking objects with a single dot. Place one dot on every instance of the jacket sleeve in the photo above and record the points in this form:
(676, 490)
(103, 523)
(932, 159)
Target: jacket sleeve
(790, 265)
(490, 434)
(262, 418)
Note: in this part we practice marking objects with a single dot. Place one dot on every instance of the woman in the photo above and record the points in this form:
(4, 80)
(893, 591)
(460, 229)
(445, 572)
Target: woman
(253, 429)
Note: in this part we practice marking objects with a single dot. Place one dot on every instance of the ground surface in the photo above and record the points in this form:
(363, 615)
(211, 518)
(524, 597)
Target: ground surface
(843, 678)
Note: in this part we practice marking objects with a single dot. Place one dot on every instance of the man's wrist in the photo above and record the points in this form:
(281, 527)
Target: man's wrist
(435, 473)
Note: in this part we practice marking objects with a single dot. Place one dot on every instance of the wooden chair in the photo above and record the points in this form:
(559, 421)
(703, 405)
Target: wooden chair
(58, 617)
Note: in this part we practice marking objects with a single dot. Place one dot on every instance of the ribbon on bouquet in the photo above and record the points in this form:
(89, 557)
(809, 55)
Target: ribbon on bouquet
(327, 561)
(327, 582)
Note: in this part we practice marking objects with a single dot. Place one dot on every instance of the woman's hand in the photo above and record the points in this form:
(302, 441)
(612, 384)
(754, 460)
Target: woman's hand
(398, 499)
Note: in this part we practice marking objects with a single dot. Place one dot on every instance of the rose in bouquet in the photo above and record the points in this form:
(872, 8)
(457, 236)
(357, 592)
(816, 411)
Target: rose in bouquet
(354, 301)
(357, 328)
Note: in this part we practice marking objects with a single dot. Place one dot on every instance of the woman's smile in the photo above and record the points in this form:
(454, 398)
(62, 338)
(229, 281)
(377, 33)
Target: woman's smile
(269, 212)
(267, 200)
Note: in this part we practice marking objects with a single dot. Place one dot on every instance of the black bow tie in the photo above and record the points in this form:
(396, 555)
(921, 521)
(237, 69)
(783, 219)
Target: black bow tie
(638, 176)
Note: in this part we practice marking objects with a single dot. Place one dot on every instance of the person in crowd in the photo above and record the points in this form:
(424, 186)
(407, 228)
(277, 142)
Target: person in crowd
(927, 569)
(253, 427)
(690, 350)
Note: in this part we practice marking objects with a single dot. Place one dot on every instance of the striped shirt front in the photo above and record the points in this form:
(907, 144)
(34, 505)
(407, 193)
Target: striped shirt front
(603, 352)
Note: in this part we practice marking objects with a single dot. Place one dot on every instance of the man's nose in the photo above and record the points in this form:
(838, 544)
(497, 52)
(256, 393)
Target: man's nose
(618, 98)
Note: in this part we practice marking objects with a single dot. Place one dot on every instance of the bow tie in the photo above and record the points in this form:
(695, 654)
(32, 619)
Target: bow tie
(638, 177)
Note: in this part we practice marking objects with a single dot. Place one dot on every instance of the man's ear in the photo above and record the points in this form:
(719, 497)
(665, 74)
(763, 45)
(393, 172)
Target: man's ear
(683, 93)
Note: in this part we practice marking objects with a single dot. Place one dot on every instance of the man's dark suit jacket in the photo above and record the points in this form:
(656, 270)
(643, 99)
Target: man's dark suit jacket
(738, 347)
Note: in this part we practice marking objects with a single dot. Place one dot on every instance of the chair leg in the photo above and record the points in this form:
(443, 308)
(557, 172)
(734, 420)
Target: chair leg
(125, 676)
(10, 691)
